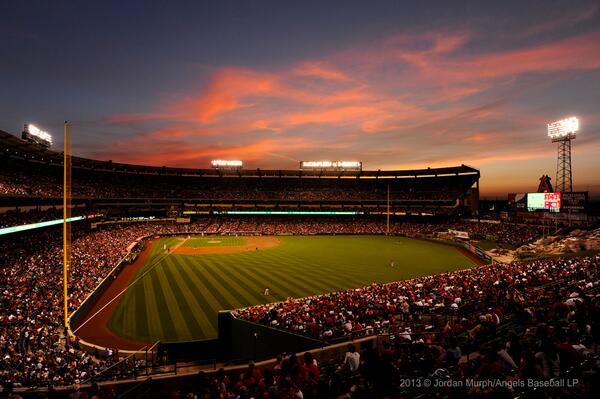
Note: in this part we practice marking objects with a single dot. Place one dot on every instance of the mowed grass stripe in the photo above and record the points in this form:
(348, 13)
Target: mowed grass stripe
(321, 268)
(257, 285)
(311, 285)
(291, 287)
(203, 288)
(252, 265)
(206, 304)
(284, 260)
(230, 282)
(298, 277)
(140, 323)
(165, 317)
(327, 275)
(130, 319)
(187, 300)
(277, 286)
(151, 311)
(116, 320)
(179, 328)
(223, 291)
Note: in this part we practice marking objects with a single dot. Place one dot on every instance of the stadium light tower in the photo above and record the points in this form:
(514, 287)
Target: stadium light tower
(562, 132)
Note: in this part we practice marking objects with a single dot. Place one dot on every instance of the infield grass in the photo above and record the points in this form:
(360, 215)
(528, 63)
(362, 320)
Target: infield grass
(180, 295)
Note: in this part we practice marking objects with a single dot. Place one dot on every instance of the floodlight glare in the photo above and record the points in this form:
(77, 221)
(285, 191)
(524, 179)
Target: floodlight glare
(33, 134)
(223, 163)
(34, 131)
(563, 132)
(353, 165)
(563, 128)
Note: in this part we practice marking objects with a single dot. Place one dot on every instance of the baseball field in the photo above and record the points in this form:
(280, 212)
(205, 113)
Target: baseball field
(182, 283)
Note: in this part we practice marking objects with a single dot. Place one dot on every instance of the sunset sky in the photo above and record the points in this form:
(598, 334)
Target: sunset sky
(395, 84)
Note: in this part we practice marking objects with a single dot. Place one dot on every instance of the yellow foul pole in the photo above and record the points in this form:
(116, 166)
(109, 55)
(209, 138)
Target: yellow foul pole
(66, 217)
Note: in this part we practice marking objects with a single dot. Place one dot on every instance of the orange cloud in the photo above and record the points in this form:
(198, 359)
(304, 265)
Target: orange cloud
(224, 93)
(479, 137)
(332, 116)
(421, 98)
(156, 148)
(578, 53)
(321, 70)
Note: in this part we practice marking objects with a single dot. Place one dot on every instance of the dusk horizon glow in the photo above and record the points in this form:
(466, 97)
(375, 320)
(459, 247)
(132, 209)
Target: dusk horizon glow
(396, 86)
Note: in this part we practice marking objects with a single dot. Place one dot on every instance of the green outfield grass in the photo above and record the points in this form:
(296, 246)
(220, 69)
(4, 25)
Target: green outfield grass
(179, 298)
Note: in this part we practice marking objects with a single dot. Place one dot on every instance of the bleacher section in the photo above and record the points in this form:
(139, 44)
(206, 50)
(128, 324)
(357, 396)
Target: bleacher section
(32, 175)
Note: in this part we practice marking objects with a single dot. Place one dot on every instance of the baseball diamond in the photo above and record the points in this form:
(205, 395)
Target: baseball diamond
(183, 288)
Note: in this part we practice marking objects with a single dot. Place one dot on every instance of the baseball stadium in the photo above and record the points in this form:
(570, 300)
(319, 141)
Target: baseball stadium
(173, 272)
(299, 200)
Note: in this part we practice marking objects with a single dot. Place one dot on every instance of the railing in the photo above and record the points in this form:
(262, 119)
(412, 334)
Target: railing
(114, 366)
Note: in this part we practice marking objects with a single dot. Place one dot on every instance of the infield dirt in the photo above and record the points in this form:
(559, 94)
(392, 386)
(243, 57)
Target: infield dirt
(252, 244)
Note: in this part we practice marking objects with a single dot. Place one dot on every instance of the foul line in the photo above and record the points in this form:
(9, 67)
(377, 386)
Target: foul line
(150, 268)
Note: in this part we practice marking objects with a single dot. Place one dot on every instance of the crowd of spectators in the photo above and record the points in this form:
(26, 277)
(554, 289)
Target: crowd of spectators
(26, 178)
(33, 350)
(369, 308)
(524, 324)
(537, 327)
(505, 233)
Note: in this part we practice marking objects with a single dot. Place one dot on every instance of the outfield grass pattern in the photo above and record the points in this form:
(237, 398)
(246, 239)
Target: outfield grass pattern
(179, 296)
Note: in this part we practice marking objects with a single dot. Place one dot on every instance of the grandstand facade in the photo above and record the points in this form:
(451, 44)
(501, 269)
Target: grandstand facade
(32, 175)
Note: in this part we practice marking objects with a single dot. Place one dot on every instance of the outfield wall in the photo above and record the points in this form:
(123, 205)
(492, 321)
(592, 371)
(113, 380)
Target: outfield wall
(475, 250)
(238, 342)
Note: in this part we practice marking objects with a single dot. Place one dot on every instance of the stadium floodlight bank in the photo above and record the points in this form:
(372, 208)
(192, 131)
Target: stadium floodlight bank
(563, 129)
(331, 165)
(224, 164)
(34, 135)
(563, 132)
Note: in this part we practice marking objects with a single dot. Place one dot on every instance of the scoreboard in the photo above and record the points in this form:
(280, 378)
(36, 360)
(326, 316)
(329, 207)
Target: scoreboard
(571, 202)
(544, 201)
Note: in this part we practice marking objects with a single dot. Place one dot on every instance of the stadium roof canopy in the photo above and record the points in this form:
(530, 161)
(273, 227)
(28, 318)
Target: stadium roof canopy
(13, 146)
